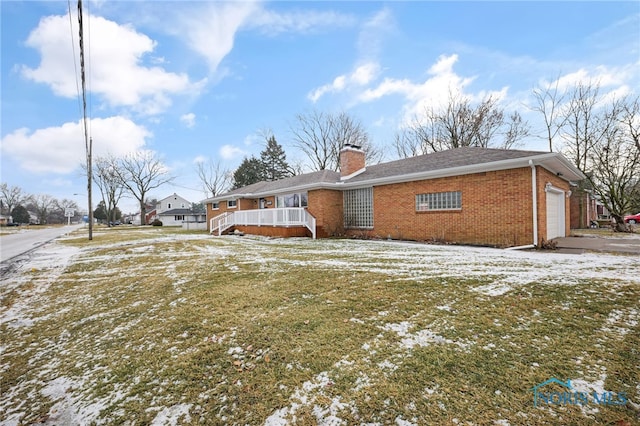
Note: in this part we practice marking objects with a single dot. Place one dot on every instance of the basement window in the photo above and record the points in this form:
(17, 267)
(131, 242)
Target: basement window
(439, 201)
(358, 208)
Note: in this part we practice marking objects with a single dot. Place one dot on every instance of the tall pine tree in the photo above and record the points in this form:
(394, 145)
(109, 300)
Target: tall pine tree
(272, 165)
(250, 171)
(274, 161)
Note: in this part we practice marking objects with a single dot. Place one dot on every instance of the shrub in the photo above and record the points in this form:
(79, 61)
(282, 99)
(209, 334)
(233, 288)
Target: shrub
(156, 222)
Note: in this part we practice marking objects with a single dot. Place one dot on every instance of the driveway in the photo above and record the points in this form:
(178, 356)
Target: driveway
(627, 245)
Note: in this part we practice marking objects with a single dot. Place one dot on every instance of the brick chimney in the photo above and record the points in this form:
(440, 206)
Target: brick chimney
(351, 160)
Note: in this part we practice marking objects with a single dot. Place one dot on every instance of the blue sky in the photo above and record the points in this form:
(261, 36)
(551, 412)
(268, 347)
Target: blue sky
(200, 80)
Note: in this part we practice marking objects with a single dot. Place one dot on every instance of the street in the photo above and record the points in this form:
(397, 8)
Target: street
(28, 239)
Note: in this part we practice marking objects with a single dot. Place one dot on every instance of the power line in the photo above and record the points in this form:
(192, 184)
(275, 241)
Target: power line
(75, 64)
(87, 140)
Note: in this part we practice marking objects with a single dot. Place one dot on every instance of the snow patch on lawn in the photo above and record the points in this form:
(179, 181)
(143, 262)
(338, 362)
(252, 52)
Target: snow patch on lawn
(171, 415)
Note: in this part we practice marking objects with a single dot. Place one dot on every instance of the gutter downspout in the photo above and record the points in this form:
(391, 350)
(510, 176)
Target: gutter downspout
(534, 199)
(534, 196)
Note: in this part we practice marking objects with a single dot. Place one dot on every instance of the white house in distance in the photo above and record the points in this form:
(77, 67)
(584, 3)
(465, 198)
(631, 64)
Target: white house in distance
(177, 211)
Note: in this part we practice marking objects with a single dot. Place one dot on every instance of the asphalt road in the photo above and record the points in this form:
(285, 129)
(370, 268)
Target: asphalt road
(25, 240)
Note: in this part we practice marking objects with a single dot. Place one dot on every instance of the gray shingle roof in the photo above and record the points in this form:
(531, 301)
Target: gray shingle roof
(441, 160)
(174, 212)
(322, 176)
(404, 168)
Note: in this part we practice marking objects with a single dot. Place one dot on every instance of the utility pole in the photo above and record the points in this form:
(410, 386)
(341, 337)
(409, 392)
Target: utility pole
(88, 142)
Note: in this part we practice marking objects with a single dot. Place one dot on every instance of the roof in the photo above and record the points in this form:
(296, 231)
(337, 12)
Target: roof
(174, 212)
(453, 162)
(313, 180)
(441, 160)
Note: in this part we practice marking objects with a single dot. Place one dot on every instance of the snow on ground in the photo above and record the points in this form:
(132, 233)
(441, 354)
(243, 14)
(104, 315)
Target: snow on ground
(502, 270)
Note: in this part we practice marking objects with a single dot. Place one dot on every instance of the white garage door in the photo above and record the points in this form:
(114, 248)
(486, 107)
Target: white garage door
(555, 213)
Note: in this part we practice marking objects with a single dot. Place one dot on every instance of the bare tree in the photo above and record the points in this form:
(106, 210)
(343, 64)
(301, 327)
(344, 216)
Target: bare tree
(584, 124)
(58, 209)
(214, 178)
(461, 123)
(10, 197)
(42, 204)
(548, 103)
(630, 118)
(614, 170)
(109, 183)
(139, 173)
(602, 141)
(321, 136)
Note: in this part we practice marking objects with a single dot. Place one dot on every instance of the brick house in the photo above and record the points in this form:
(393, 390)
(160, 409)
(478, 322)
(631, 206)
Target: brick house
(466, 195)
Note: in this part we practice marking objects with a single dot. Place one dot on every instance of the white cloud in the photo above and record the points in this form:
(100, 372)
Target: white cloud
(373, 32)
(114, 60)
(210, 30)
(361, 76)
(303, 21)
(189, 119)
(200, 159)
(62, 149)
(230, 152)
(434, 92)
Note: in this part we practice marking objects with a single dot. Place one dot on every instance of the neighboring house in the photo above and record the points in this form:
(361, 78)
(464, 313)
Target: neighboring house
(172, 202)
(176, 217)
(176, 211)
(4, 219)
(467, 195)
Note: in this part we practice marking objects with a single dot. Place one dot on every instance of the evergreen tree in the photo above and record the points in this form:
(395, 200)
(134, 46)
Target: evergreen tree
(100, 212)
(274, 161)
(20, 215)
(250, 171)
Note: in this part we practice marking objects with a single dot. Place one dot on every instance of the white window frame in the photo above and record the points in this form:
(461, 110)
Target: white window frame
(235, 204)
(215, 206)
(358, 208)
(439, 201)
(302, 197)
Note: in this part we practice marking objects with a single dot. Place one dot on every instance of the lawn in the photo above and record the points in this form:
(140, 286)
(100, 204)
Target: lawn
(164, 327)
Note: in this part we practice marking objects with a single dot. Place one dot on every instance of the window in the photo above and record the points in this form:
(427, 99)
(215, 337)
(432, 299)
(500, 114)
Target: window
(439, 201)
(215, 206)
(292, 200)
(232, 204)
(358, 208)
(178, 217)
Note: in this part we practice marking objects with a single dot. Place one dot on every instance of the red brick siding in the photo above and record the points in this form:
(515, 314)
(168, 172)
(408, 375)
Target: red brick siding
(496, 210)
(326, 206)
(351, 160)
(274, 231)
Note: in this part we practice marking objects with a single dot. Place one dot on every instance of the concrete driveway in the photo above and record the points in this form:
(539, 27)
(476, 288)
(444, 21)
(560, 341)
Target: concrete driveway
(628, 245)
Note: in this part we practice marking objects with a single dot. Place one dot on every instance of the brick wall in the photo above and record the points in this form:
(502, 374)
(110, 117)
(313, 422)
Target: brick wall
(496, 210)
(351, 160)
(326, 206)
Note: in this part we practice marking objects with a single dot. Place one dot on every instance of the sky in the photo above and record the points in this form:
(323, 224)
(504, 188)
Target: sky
(197, 81)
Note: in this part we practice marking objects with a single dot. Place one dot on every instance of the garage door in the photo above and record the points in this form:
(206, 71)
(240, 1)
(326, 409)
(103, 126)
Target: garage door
(555, 213)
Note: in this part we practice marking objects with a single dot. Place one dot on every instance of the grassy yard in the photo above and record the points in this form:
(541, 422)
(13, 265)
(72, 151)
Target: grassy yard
(159, 326)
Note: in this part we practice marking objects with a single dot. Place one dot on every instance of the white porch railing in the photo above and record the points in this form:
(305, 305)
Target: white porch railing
(291, 216)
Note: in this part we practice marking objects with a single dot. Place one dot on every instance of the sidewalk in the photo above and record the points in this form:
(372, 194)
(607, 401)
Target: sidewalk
(577, 245)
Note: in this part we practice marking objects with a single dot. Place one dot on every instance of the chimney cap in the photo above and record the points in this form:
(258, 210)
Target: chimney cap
(350, 145)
